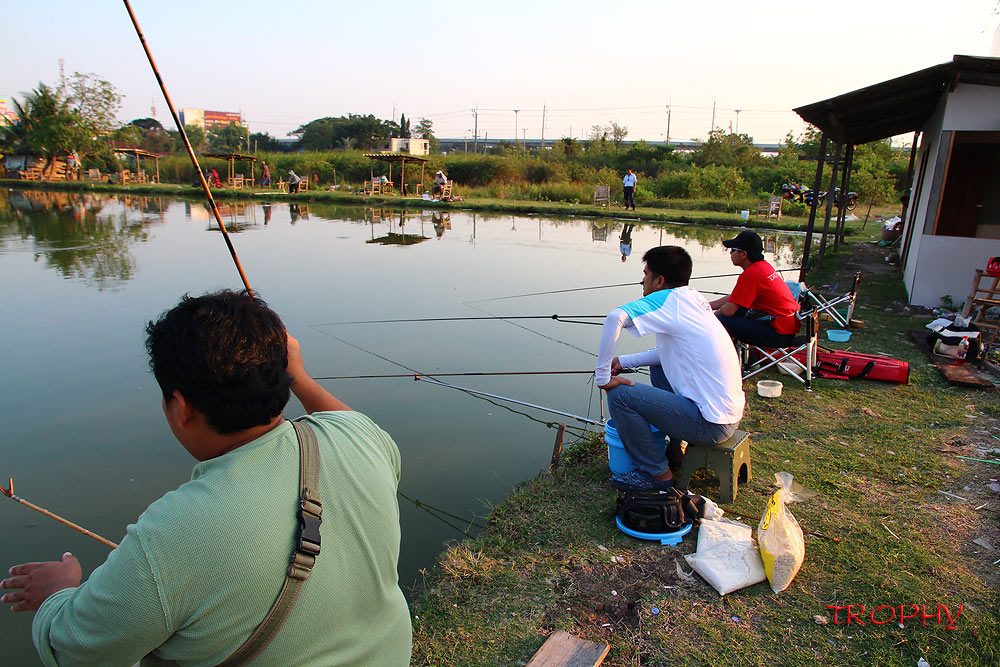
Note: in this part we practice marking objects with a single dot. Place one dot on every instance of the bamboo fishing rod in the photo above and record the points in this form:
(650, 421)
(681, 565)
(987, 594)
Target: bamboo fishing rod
(9, 492)
(416, 376)
(190, 151)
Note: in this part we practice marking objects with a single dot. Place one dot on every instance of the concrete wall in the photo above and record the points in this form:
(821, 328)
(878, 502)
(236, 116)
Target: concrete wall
(939, 265)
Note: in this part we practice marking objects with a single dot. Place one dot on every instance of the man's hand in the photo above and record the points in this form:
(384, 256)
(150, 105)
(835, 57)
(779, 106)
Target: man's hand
(313, 397)
(296, 367)
(35, 582)
(615, 381)
(616, 367)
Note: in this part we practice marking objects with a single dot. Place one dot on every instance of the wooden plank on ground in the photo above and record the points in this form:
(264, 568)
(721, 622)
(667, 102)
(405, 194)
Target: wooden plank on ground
(965, 375)
(562, 649)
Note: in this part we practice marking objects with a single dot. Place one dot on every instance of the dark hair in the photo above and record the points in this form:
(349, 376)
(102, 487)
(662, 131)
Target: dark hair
(670, 261)
(227, 354)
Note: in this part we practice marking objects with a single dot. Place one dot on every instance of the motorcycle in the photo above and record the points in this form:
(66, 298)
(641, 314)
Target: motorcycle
(850, 200)
(795, 192)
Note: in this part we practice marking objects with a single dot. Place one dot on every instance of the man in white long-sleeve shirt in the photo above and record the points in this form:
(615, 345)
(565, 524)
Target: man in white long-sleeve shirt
(697, 391)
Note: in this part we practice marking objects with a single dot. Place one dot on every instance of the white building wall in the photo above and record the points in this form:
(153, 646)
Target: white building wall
(940, 265)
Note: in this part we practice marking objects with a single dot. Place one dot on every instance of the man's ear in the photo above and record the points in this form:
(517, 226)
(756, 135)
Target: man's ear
(181, 410)
(659, 282)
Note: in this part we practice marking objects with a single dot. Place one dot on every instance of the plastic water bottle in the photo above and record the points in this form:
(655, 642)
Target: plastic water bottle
(963, 350)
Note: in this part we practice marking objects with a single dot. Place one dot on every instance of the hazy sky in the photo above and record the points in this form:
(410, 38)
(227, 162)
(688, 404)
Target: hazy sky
(284, 64)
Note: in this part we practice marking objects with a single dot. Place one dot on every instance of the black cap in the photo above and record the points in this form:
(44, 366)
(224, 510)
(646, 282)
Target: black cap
(748, 242)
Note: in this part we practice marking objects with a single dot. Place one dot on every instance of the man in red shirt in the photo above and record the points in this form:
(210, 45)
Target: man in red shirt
(761, 310)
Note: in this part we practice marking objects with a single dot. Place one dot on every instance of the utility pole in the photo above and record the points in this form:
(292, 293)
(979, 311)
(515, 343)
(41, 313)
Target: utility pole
(475, 131)
(712, 129)
(668, 123)
(524, 137)
(738, 121)
(543, 127)
(515, 126)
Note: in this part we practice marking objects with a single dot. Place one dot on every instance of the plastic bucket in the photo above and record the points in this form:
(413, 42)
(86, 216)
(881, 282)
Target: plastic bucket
(744, 215)
(618, 459)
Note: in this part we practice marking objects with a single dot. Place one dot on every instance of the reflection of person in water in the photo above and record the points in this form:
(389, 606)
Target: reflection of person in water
(626, 241)
(293, 209)
(267, 213)
(442, 221)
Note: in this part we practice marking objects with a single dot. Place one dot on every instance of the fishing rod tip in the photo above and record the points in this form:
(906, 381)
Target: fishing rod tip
(9, 491)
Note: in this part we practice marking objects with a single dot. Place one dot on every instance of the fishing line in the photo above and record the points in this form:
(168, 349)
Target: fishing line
(435, 511)
(187, 144)
(9, 492)
(421, 377)
(537, 333)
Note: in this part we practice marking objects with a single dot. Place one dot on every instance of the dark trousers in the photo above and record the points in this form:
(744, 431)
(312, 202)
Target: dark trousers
(630, 196)
(753, 331)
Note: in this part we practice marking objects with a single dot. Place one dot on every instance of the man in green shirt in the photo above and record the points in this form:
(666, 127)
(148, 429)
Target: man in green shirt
(202, 566)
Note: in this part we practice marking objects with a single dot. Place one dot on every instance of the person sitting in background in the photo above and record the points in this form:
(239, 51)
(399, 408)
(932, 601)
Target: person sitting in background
(203, 565)
(761, 310)
(440, 180)
(293, 182)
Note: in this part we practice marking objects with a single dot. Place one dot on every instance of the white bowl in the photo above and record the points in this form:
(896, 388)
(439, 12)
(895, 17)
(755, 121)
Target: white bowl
(769, 388)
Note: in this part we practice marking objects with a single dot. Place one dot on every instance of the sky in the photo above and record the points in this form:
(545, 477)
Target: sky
(585, 63)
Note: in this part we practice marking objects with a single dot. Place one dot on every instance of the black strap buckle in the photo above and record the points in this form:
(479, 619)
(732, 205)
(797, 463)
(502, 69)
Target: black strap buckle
(309, 540)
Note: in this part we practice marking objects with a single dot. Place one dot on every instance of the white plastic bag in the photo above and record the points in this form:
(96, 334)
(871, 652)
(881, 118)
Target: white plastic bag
(727, 556)
(782, 547)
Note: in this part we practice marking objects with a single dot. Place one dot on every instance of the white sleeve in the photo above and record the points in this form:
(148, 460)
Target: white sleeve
(616, 320)
(650, 357)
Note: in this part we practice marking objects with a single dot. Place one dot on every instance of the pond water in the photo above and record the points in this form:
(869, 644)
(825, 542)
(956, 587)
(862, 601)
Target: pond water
(80, 275)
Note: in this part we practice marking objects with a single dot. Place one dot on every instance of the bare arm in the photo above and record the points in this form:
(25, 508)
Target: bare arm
(718, 303)
(313, 396)
(728, 308)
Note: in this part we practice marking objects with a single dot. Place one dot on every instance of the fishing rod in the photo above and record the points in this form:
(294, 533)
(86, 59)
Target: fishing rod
(580, 419)
(423, 377)
(583, 289)
(430, 509)
(417, 375)
(9, 492)
(462, 319)
(190, 151)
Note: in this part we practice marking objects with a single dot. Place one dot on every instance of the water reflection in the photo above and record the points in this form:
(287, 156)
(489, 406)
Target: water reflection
(78, 236)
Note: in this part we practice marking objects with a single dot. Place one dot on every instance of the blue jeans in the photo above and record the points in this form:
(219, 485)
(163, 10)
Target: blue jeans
(635, 407)
(753, 331)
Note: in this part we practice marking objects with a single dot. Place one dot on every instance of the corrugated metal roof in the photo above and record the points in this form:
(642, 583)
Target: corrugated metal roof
(899, 105)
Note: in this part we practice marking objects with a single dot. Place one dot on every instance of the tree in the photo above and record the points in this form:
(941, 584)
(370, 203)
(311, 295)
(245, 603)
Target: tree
(228, 139)
(404, 126)
(725, 149)
(147, 124)
(618, 133)
(425, 130)
(263, 141)
(195, 135)
(46, 126)
(329, 133)
(94, 99)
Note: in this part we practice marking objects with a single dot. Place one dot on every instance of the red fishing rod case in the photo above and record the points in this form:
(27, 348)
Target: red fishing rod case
(848, 365)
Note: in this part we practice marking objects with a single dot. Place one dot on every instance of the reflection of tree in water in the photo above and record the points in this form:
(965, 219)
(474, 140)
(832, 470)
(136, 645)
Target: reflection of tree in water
(67, 230)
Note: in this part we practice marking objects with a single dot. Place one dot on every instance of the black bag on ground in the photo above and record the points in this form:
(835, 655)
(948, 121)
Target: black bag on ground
(658, 511)
(944, 341)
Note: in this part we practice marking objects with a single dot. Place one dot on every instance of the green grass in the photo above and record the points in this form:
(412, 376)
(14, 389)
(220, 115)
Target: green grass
(875, 453)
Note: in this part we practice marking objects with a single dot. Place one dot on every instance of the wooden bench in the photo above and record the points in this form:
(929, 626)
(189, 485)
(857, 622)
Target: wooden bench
(93, 174)
(446, 190)
(372, 187)
(729, 460)
(602, 193)
(236, 182)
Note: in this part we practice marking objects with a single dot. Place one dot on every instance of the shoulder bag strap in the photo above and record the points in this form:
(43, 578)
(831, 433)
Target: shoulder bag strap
(306, 549)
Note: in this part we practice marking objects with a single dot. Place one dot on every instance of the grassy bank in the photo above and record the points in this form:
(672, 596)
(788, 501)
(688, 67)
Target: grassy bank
(701, 212)
(877, 455)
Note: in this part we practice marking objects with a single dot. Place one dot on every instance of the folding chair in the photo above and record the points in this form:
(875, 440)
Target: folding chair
(827, 304)
(799, 356)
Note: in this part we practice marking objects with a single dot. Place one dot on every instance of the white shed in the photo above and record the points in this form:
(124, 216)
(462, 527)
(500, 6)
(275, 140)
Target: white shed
(952, 224)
